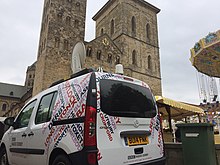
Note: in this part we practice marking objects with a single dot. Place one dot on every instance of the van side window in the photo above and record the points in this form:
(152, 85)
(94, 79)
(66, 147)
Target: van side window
(45, 108)
(24, 116)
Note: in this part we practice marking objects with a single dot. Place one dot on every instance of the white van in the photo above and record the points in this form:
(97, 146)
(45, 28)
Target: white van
(94, 118)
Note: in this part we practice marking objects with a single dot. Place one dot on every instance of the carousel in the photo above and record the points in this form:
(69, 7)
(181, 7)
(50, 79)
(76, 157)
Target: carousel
(205, 57)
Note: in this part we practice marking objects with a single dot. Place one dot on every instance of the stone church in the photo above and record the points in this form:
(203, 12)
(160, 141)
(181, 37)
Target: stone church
(126, 33)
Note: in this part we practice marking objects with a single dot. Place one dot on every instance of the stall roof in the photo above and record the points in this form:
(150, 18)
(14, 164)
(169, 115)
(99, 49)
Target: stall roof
(178, 110)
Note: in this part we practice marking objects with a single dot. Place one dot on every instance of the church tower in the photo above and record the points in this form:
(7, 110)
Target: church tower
(63, 24)
(132, 25)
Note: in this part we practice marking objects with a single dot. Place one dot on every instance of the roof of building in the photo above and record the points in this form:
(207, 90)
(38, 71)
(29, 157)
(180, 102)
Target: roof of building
(110, 2)
(12, 90)
(32, 66)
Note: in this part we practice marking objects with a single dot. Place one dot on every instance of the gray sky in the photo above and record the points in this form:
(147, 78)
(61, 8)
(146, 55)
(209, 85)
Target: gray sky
(181, 24)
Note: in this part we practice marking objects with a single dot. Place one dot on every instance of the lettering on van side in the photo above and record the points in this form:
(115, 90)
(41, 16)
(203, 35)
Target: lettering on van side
(70, 103)
(156, 132)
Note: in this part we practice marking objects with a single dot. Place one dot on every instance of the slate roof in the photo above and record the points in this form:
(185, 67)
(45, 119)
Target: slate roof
(12, 90)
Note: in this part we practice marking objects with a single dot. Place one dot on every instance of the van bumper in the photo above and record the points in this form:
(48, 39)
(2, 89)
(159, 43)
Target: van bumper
(160, 161)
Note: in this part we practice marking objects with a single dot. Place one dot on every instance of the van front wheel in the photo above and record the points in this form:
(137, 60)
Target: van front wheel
(3, 157)
(61, 160)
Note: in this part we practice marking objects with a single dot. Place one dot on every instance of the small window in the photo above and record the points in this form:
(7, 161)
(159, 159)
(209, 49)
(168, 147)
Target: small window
(24, 116)
(78, 6)
(112, 27)
(76, 23)
(148, 31)
(59, 16)
(102, 31)
(66, 44)
(134, 58)
(11, 93)
(4, 107)
(133, 26)
(99, 53)
(149, 62)
(117, 60)
(89, 52)
(68, 20)
(57, 42)
(109, 60)
(45, 108)
(30, 76)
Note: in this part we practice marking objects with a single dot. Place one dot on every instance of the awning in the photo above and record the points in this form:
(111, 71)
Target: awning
(177, 110)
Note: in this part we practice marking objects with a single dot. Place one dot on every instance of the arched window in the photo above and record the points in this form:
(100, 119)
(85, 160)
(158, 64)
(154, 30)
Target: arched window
(102, 31)
(4, 107)
(112, 27)
(148, 31)
(149, 62)
(134, 57)
(99, 53)
(68, 20)
(89, 52)
(109, 60)
(117, 60)
(11, 93)
(133, 26)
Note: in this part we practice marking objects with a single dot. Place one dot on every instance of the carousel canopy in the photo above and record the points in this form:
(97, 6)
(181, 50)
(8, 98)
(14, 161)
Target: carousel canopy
(205, 55)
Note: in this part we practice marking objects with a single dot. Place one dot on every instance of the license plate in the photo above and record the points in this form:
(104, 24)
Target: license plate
(137, 140)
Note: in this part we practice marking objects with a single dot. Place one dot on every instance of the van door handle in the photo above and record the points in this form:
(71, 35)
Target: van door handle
(31, 134)
(24, 135)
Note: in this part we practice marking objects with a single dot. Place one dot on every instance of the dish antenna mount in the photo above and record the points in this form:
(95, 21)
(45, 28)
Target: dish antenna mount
(78, 57)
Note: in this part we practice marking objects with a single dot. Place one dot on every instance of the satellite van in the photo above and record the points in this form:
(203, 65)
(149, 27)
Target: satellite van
(93, 118)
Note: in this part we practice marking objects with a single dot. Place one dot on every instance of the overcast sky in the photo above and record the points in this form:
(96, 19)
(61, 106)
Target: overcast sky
(181, 24)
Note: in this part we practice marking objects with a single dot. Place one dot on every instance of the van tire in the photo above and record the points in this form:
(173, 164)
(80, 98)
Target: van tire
(61, 160)
(3, 157)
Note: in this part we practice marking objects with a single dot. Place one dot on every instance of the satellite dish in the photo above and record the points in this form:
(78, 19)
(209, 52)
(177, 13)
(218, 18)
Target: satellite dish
(78, 57)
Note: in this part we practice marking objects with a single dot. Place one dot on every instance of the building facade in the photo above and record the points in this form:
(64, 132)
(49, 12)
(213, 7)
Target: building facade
(10, 98)
(126, 33)
(63, 24)
(132, 26)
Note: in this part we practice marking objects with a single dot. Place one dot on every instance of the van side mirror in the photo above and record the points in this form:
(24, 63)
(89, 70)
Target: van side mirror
(9, 121)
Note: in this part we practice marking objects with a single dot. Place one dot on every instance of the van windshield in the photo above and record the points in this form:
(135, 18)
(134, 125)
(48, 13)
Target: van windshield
(126, 99)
